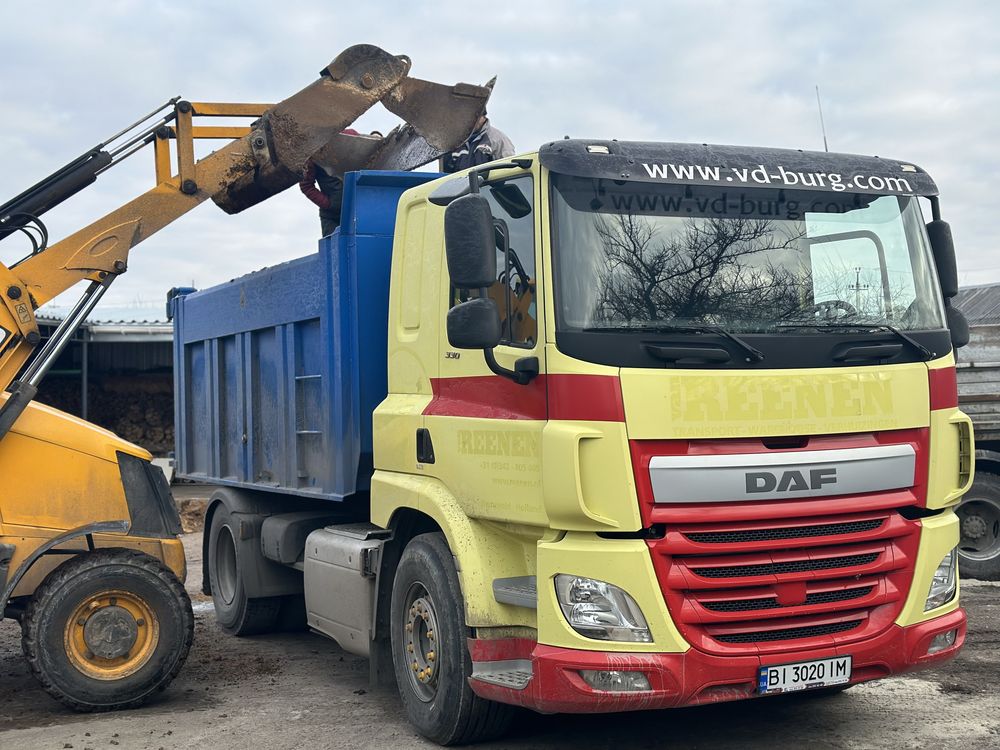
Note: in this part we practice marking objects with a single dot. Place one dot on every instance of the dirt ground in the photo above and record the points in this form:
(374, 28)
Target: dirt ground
(303, 691)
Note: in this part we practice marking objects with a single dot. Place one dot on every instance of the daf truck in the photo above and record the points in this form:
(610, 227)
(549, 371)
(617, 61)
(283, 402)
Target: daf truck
(608, 426)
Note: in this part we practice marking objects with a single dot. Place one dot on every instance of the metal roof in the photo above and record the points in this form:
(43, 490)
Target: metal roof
(980, 304)
(136, 322)
(141, 311)
(132, 331)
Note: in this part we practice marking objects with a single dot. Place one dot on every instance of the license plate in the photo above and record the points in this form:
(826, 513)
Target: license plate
(804, 675)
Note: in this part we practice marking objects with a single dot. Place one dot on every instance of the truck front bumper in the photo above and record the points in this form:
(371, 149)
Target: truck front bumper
(548, 679)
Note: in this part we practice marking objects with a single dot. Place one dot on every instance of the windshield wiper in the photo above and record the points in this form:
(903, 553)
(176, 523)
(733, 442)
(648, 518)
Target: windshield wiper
(753, 354)
(868, 327)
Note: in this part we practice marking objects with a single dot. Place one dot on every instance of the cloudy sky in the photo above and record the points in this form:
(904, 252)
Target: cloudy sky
(918, 81)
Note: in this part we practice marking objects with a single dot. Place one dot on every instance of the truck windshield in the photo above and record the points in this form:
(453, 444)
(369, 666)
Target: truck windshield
(632, 255)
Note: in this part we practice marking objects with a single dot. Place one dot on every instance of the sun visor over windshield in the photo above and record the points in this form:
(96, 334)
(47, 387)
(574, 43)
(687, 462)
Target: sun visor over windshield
(735, 166)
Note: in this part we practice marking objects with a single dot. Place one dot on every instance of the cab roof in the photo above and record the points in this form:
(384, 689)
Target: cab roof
(735, 166)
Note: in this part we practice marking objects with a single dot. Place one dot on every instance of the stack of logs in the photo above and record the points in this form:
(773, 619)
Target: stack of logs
(138, 408)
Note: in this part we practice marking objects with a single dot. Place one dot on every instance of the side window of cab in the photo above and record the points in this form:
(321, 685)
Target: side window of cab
(512, 205)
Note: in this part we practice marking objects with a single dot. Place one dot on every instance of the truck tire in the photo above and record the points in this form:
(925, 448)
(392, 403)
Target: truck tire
(107, 630)
(236, 613)
(979, 514)
(428, 615)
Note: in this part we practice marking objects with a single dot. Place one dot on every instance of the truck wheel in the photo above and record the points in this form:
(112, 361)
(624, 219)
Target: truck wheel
(236, 613)
(107, 629)
(429, 649)
(979, 513)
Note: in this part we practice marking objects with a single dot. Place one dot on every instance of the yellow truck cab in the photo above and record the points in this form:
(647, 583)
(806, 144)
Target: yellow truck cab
(664, 424)
(739, 447)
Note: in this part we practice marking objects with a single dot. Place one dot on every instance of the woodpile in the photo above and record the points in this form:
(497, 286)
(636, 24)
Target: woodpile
(138, 408)
(192, 513)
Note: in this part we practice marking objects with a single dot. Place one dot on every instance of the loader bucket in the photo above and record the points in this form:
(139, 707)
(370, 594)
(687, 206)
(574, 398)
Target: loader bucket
(309, 124)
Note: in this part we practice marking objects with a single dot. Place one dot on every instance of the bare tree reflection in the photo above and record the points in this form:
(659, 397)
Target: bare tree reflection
(709, 271)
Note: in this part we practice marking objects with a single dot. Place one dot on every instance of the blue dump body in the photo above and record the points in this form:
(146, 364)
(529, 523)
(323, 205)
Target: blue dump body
(277, 373)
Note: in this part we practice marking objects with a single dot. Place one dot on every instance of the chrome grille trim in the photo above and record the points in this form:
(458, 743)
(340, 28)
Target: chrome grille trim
(793, 474)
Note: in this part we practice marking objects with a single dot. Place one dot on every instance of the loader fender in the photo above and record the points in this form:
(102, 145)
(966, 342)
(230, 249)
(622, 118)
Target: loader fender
(102, 527)
(483, 551)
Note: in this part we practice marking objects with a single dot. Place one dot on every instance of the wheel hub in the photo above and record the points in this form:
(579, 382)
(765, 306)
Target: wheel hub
(974, 527)
(225, 567)
(980, 527)
(111, 635)
(421, 644)
(110, 632)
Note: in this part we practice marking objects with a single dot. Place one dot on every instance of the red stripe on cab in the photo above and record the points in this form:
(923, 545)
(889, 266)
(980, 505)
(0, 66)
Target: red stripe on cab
(596, 398)
(592, 398)
(487, 397)
(943, 388)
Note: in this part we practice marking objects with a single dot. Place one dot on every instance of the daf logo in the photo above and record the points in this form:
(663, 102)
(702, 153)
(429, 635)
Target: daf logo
(790, 481)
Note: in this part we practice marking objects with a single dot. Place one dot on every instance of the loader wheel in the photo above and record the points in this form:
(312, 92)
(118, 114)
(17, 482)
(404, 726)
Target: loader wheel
(430, 653)
(235, 612)
(107, 629)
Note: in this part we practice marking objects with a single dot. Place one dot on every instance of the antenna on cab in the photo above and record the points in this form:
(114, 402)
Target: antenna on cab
(822, 126)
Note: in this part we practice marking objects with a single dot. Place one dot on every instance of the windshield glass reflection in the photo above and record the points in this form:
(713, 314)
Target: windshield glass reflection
(639, 255)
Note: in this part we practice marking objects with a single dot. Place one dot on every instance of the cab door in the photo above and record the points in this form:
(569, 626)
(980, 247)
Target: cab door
(486, 429)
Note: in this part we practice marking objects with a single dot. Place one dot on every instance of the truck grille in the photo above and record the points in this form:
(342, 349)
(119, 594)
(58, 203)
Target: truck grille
(761, 586)
(788, 532)
(792, 566)
(749, 605)
(787, 634)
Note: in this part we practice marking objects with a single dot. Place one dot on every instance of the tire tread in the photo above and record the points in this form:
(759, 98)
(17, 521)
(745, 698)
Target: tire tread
(259, 616)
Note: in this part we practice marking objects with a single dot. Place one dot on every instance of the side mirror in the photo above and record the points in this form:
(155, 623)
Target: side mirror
(469, 243)
(474, 324)
(511, 199)
(471, 246)
(958, 325)
(943, 248)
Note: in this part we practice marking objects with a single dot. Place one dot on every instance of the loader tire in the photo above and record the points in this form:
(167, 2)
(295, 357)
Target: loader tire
(107, 630)
(235, 612)
(979, 515)
(428, 614)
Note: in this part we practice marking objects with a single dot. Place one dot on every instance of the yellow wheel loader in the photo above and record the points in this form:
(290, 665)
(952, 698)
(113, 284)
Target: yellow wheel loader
(90, 561)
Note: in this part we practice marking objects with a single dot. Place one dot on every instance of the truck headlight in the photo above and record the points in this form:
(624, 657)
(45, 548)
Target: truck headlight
(945, 582)
(600, 610)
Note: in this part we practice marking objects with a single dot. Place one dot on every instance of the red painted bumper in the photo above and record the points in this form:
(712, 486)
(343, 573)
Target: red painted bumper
(694, 677)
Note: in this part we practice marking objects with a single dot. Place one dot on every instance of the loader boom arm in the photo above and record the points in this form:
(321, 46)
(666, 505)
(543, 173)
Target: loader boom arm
(259, 161)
